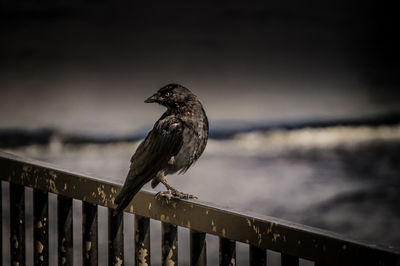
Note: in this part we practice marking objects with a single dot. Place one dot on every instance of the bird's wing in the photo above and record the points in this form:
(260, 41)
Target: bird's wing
(153, 154)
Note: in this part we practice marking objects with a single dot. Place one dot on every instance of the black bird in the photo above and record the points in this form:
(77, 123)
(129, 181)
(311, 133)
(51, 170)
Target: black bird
(176, 141)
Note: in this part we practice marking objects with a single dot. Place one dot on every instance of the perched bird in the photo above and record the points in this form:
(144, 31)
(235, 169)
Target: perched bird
(176, 141)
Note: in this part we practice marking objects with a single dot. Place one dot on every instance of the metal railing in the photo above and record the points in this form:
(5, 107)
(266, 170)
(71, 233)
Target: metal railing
(292, 240)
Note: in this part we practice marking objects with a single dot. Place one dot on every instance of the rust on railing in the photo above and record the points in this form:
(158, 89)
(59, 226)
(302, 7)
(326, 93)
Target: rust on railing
(40, 227)
(261, 233)
(17, 224)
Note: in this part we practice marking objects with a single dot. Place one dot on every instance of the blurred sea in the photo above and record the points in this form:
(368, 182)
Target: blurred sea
(74, 76)
(341, 178)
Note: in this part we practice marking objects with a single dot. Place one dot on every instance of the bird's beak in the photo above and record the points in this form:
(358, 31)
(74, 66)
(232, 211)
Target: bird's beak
(152, 99)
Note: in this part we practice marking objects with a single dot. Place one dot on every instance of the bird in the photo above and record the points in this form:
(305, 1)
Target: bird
(176, 141)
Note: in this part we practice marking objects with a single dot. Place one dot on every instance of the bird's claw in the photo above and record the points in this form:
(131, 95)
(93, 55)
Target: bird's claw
(181, 195)
(174, 194)
(167, 195)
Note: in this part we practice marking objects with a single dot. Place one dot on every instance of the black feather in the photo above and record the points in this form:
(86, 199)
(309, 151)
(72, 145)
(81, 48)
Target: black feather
(176, 141)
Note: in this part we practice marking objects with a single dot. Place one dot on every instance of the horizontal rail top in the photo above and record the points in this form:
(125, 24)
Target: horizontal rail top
(261, 231)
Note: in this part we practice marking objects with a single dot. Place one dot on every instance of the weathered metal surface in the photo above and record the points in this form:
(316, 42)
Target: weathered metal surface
(40, 228)
(89, 234)
(262, 231)
(287, 260)
(142, 241)
(115, 238)
(17, 224)
(198, 248)
(1, 221)
(169, 244)
(227, 252)
(65, 233)
(257, 256)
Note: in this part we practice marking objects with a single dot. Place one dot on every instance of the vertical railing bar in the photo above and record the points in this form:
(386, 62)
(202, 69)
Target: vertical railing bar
(258, 256)
(288, 260)
(227, 252)
(169, 244)
(1, 223)
(17, 224)
(89, 234)
(198, 248)
(115, 238)
(40, 228)
(65, 230)
(142, 240)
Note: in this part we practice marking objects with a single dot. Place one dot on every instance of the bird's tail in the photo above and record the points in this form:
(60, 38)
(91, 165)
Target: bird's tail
(132, 186)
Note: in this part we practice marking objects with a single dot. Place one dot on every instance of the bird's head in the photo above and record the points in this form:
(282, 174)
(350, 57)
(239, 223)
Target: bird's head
(172, 96)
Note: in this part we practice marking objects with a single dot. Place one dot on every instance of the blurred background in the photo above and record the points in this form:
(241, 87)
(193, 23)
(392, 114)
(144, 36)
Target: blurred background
(303, 101)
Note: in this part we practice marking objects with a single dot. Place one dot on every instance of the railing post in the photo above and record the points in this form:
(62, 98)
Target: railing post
(227, 252)
(198, 248)
(288, 260)
(1, 223)
(142, 241)
(89, 234)
(40, 228)
(17, 224)
(258, 256)
(169, 244)
(65, 236)
(115, 238)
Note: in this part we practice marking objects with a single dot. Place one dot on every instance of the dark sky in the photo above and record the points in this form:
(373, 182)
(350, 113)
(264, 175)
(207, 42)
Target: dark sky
(76, 63)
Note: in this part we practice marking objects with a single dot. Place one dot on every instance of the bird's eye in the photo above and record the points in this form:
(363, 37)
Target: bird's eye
(167, 94)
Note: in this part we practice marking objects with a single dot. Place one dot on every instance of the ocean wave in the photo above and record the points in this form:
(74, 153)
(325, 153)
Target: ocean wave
(299, 132)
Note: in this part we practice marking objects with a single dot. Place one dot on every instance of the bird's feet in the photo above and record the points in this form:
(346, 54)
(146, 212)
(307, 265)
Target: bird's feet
(181, 195)
(174, 194)
(164, 195)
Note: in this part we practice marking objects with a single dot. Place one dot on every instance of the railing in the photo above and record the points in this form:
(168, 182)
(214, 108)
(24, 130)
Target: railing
(292, 240)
